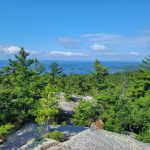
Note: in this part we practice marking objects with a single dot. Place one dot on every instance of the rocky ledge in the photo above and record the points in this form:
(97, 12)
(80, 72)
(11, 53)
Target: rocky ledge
(101, 140)
(80, 139)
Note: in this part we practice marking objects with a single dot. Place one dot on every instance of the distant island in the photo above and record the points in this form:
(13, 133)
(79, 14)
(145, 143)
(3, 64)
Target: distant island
(86, 67)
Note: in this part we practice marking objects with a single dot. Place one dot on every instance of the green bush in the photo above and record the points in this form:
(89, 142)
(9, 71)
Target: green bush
(85, 113)
(5, 130)
(55, 135)
(144, 136)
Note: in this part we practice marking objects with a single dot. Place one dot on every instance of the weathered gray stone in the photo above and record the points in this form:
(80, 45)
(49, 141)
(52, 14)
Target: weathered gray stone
(39, 145)
(67, 107)
(22, 136)
(101, 140)
(86, 139)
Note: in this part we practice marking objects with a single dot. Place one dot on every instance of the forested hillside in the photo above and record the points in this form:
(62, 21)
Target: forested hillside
(121, 100)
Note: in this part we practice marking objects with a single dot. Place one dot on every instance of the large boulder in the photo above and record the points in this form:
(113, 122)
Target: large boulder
(67, 107)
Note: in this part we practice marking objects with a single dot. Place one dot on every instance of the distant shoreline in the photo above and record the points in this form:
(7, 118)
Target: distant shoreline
(86, 67)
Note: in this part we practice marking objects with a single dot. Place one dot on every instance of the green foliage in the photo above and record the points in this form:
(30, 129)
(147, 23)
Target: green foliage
(85, 113)
(21, 64)
(56, 135)
(101, 71)
(47, 107)
(79, 84)
(56, 70)
(122, 100)
(146, 63)
(123, 104)
(5, 130)
(144, 136)
(38, 67)
(20, 89)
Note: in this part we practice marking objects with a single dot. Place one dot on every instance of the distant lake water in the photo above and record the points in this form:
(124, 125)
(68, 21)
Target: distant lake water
(85, 67)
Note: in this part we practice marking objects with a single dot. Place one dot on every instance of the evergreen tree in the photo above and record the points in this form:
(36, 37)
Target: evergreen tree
(21, 64)
(56, 70)
(146, 63)
(38, 67)
(20, 89)
(100, 73)
(47, 107)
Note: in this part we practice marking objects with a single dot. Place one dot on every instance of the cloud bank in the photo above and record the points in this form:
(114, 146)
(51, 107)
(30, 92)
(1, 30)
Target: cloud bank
(8, 50)
(94, 45)
(65, 54)
(98, 47)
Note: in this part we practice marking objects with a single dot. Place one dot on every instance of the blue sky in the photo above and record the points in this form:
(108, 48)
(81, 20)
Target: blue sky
(76, 29)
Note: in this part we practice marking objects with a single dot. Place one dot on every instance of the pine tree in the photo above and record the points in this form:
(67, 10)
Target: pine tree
(21, 64)
(146, 63)
(100, 74)
(47, 107)
(56, 70)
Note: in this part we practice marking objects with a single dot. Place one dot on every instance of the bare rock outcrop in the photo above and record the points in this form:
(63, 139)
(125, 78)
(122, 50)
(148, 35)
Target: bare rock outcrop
(101, 140)
(80, 138)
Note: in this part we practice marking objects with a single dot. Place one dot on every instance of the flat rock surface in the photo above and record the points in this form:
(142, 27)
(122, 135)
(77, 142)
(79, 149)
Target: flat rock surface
(101, 140)
(25, 136)
(39, 145)
(81, 139)
(20, 137)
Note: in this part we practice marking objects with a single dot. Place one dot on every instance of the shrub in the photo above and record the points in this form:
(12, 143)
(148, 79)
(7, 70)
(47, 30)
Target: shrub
(144, 136)
(84, 113)
(55, 135)
(5, 130)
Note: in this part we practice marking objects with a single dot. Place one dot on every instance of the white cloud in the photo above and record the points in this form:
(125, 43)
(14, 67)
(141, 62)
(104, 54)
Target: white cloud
(98, 47)
(9, 49)
(68, 42)
(116, 40)
(65, 54)
(103, 37)
(134, 53)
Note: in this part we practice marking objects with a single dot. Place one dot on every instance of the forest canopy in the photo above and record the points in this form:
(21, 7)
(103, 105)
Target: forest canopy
(28, 94)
